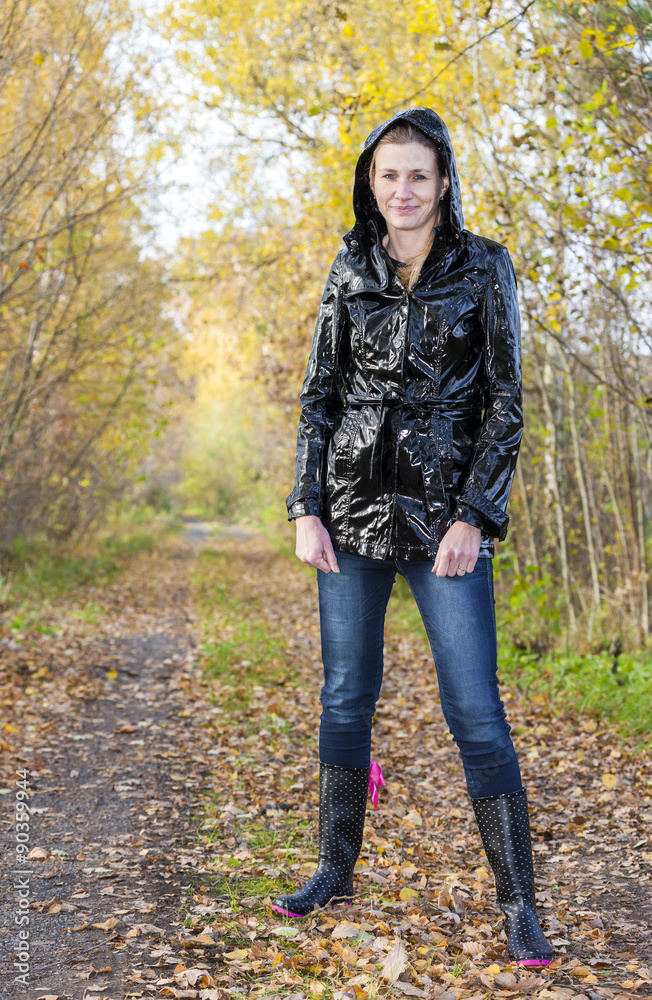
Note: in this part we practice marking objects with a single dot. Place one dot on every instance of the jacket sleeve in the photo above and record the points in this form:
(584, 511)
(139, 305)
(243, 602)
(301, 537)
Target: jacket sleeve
(320, 399)
(483, 500)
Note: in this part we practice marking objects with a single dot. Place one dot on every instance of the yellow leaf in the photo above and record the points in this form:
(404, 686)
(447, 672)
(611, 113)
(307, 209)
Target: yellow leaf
(610, 780)
(237, 954)
(111, 673)
(586, 49)
(491, 970)
(408, 893)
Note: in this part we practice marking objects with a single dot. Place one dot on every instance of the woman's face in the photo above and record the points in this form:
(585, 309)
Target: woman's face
(407, 185)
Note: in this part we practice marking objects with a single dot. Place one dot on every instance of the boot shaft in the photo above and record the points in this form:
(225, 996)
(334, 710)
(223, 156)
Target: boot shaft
(343, 795)
(504, 826)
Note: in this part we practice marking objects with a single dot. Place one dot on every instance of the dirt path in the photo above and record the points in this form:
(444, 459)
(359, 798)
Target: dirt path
(111, 781)
(132, 738)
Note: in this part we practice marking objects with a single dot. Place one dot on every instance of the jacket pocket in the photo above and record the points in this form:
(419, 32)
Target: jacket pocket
(343, 445)
(443, 430)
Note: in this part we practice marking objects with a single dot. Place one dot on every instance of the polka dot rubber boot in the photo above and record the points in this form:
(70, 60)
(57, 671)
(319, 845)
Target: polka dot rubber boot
(342, 806)
(505, 830)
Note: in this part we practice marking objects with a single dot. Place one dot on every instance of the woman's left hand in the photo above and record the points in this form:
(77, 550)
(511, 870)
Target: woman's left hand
(458, 550)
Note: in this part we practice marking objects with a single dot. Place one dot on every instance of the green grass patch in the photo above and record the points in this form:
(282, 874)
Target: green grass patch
(38, 566)
(240, 645)
(618, 691)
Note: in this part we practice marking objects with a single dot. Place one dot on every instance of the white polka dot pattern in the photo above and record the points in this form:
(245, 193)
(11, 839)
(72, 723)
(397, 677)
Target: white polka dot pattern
(342, 806)
(505, 830)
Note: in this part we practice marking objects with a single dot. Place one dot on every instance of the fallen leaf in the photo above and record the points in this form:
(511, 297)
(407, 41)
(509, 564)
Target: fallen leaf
(610, 780)
(194, 977)
(108, 925)
(286, 931)
(395, 961)
(345, 930)
(581, 971)
(80, 927)
(407, 893)
(408, 990)
(505, 979)
(38, 854)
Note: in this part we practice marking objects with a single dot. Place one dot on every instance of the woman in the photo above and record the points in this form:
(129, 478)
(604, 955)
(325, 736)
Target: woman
(410, 427)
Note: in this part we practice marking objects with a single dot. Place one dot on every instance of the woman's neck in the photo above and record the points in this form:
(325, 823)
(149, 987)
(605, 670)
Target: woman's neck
(401, 244)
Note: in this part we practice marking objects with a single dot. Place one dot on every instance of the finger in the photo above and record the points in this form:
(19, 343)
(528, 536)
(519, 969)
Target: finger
(443, 565)
(315, 559)
(322, 565)
(331, 558)
(453, 566)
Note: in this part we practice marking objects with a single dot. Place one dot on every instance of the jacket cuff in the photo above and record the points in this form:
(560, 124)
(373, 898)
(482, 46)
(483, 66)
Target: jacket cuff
(304, 500)
(492, 519)
(302, 507)
(470, 516)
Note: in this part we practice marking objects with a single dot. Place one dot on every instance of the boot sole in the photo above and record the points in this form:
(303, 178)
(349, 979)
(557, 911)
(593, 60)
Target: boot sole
(302, 916)
(534, 961)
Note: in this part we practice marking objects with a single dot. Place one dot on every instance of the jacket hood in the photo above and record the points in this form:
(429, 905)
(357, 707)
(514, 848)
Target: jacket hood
(370, 225)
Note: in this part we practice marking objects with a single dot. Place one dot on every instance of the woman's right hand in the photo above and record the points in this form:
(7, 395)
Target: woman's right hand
(314, 546)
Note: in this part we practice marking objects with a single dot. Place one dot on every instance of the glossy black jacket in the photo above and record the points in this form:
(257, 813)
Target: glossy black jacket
(411, 409)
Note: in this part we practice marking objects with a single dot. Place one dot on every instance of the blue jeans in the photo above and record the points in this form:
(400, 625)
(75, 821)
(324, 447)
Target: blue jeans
(459, 618)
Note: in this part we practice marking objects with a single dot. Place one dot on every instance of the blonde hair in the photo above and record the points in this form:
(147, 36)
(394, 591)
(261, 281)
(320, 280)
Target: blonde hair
(401, 135)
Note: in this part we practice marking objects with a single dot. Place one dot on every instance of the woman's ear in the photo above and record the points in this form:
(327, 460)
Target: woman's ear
(445, 184)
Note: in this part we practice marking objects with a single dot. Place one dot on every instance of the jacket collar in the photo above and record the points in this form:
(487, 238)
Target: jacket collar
(368, 268)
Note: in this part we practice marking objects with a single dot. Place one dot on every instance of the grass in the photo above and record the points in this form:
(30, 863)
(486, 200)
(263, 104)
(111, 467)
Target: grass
(43, 568)
(240, 646)
(592, 685)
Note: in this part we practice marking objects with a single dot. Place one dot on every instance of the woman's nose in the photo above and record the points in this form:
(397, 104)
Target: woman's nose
(403, 189)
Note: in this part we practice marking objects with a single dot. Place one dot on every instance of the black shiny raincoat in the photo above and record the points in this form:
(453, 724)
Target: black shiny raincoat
(411, 408)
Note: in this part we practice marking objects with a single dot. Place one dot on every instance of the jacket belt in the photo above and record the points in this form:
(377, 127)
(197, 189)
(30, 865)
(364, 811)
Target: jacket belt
(396, 397)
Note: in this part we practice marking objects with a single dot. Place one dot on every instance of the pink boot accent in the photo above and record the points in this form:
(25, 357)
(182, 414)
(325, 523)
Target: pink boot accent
(534, 961)
(287, 913)
(376, 781)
